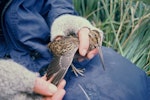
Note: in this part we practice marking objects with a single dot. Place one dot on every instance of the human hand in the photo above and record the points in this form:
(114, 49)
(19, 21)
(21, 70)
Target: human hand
(84, 43)
(59, 94)
(48, 90)
(83, 35)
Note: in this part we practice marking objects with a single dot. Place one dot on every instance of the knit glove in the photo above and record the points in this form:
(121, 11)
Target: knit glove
(67, 24)
(16, 82)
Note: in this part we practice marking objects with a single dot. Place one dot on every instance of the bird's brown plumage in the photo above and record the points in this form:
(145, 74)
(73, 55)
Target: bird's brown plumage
(64, 50)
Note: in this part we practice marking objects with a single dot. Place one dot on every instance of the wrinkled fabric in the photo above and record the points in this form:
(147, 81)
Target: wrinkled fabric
(26, 27)
(121, 80)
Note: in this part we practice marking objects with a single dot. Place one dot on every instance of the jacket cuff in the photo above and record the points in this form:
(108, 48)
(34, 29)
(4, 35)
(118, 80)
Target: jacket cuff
(67, 24)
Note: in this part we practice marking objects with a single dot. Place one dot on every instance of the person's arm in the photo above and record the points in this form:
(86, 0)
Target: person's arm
(27, 29)
(58, 8)
(67, 23)
(15, 81)
(18, 83)
(63, 20)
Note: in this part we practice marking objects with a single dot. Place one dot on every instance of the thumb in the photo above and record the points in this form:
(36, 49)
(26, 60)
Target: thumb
(44, 88)
(84, 41)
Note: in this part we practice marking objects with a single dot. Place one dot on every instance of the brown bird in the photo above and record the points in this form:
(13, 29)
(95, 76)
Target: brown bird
(64, 51)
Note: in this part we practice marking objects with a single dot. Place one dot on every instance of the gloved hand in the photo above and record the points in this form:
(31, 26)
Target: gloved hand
(67, 24)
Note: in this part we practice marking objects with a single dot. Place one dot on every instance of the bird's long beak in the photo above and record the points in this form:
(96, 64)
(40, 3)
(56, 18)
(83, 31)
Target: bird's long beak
(101, 57)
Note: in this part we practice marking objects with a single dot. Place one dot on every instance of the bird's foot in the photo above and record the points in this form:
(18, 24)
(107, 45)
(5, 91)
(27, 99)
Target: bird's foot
(77, 71)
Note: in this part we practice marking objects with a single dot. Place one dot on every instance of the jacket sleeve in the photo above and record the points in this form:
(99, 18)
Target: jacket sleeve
(16, 82)
(58, 8)
(27, 29)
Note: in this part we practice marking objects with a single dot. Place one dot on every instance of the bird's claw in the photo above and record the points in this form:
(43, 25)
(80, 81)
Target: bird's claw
(77, 71)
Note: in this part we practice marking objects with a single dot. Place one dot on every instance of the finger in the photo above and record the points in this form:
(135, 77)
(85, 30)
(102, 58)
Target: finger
(59, 95)
(44, 77)
(84, 41)
(44, 88)
(50, 80)
(62, 84)
(47, 98)
(58, 37)
(92, 53)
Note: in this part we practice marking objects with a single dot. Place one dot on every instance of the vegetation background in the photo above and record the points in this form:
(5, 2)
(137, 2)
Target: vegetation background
(126, 25)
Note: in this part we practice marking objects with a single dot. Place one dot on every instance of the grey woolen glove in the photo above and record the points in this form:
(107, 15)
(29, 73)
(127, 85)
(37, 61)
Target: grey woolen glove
(16, 82)
(66, 24)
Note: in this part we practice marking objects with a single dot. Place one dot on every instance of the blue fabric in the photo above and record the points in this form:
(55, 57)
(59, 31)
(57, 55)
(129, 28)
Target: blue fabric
(26, 29)
(148, 85)
(121, 80)
(3, 47)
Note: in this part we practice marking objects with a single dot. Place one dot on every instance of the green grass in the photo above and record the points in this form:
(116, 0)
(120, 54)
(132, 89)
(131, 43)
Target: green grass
(126, 25)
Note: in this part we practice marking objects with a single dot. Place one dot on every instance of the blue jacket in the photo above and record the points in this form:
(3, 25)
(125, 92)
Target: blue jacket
(26, 28)
(26, 32)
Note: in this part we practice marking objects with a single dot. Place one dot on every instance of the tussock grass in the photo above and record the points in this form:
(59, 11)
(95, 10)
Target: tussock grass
(126, 25)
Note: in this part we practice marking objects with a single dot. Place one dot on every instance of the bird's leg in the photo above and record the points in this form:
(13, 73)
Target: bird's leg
(77, 71)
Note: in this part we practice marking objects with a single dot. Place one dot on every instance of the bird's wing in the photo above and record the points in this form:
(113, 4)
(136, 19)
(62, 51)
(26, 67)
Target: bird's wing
(59, 66)
(53, 67)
